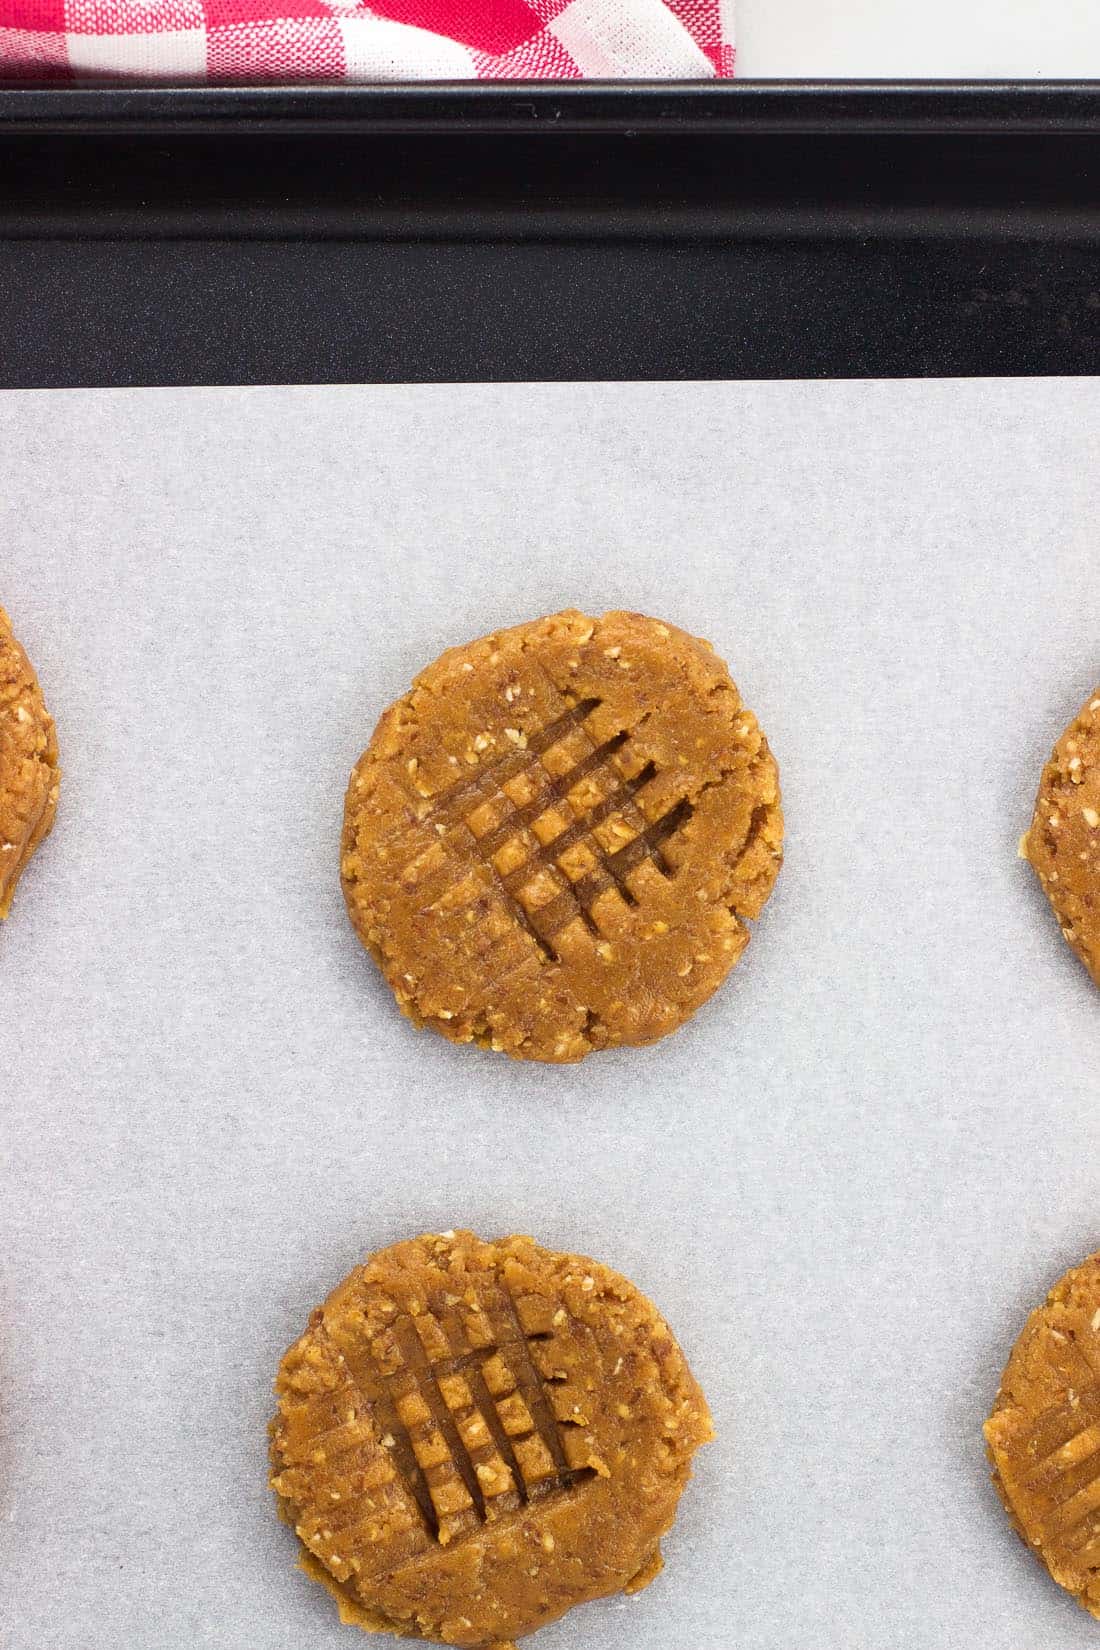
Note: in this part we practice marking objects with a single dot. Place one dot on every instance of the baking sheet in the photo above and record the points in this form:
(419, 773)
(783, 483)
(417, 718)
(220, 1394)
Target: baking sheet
(845, 1183)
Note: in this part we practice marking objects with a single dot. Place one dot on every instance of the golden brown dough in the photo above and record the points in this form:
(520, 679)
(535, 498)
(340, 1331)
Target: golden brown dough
(473, 1437)
(29, 775)
(1043, 1436)
(553, 841)
(1063, 842)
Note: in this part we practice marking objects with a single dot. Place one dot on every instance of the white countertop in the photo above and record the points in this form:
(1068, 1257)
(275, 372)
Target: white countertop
(852, 39)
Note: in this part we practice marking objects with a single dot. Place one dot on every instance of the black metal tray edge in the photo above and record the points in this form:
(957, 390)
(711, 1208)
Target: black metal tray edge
(651, 106)
(668, 231)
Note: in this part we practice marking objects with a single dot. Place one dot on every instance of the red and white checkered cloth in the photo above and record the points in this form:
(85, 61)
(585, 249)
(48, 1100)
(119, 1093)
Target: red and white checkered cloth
(350, 40)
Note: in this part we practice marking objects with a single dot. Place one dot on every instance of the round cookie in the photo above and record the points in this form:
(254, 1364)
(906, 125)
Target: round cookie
(1043, 1436)
(1063, 841)
(29, 775)
(553, 842)
(473, 1437)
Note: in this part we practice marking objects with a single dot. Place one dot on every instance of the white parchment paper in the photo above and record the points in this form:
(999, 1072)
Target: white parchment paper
(845, 1183)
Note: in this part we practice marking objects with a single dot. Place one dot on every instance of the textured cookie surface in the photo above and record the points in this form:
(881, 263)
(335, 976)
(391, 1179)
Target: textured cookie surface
(28, 764)
(1044, 1433)
(473, 1437)
(553, 841)
(1063, 841)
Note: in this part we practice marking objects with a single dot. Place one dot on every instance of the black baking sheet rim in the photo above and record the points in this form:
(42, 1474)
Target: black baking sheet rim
(475, 232)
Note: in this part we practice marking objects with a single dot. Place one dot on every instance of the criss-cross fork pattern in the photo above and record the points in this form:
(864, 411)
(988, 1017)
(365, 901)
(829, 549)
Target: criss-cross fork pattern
(459, 807)
(469, 1420)
(1066, 1474)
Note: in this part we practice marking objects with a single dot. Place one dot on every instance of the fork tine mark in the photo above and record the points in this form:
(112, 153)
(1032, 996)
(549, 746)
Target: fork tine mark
(452, 809)
(1063, 1465)
(521, 915)
(423, 1377)
(574, 899)
(489, 779)
(626, 859)
(566, 907)
(1055, 1429)
(374, 1387)
(471, 1363)
(547, 852)
(577, 898)
(389, 1376)
(637, 818)
(518, 819)
(501, 1312)
(612, 871)
(550, 791)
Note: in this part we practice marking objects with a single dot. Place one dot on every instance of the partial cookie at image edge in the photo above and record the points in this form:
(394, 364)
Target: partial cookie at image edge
(1062, 844)
(1043, 1436)
(29, 773)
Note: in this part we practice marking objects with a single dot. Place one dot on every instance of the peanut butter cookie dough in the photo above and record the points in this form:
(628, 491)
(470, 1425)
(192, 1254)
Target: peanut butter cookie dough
(29, 775)
(1063, 842)
(473, 1437)
(1044, 1434)
(553, 842)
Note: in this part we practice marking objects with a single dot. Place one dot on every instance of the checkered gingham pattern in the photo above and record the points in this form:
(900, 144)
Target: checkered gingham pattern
(175, 41)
